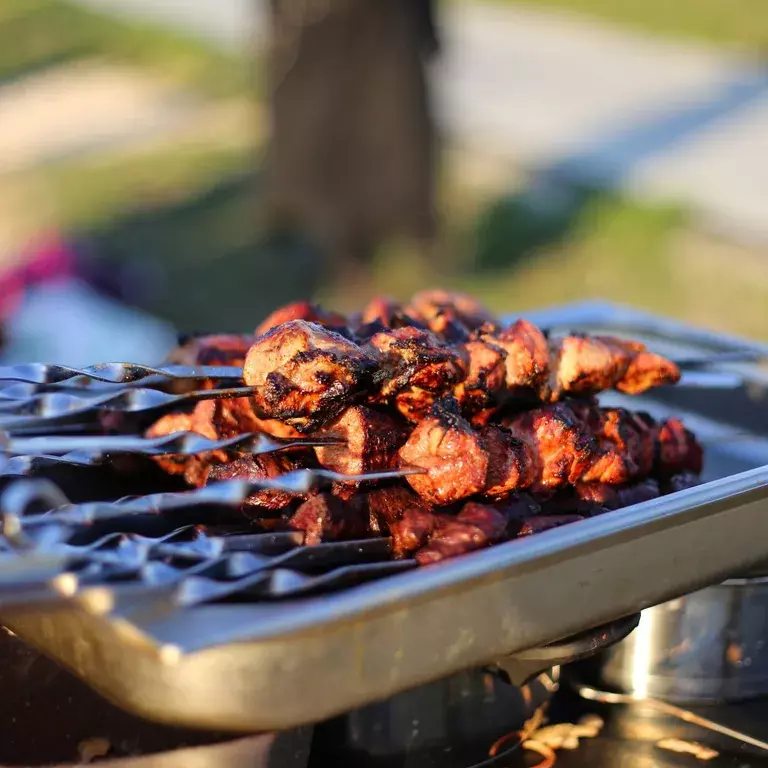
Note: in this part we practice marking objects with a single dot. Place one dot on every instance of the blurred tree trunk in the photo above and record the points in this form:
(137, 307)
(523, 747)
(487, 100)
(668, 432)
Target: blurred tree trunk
(352, 157)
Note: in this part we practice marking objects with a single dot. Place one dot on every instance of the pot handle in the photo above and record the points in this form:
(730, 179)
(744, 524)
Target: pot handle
(526, 665)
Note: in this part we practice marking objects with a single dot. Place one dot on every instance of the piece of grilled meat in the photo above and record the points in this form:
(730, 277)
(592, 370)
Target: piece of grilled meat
(589, 364)
(225, 349)
(370, 438)
(560, 440)
(398, 512)
(216, 420)
(194, 468)
(481, 390)
(451, 453)
(236, 416)
(171, 423)
(324, 517)
(265, 467)
(576, 365)
(477, 526)
(512, 463)
(450, 314)
(678, 451)
(527, 359)
(305, 375)
(414, 369)
(626, 443)
(301, 310)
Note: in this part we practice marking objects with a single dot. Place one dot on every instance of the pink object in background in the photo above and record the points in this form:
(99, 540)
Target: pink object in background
(51, 260)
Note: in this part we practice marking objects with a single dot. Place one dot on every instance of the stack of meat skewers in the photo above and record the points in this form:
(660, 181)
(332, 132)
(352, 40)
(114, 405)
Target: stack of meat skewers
(500, 424)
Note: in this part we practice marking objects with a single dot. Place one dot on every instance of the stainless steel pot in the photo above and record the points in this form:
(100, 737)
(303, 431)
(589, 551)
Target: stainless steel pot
(708, 646)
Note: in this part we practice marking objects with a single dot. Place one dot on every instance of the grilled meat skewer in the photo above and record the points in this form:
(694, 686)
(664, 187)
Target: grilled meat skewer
(306, 374)
(545, 449)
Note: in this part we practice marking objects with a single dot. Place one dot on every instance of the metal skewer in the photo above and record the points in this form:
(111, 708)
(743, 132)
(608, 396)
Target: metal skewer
(112, 373)
(178, 443)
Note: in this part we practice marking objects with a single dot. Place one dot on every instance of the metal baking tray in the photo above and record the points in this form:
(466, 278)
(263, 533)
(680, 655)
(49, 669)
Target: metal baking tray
(275, 664)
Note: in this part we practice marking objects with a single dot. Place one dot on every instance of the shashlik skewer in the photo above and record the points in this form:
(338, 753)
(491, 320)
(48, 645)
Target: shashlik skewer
(305, 375)
(431, 534)
(544, 449)
(574, 443)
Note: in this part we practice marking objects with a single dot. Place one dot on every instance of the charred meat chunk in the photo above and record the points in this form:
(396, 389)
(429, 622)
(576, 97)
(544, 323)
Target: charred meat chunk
(398, 512)
(646, 371)
(561, 442)
(324, 517)
(481, 388)
(305, 375)
(254, 468)
(215, 349)
(451, 454)
(527, 358)
(477, 526)
(587, 364)
(512, 463)
(414, 369)
(678, 450)
(626, 445)
(409, 357)
(301, 310)
(439, 308)
(370, 438)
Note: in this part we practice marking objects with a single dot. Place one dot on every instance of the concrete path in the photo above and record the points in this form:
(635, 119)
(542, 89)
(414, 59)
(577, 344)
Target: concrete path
(85, 108)
(567, 96)
(576, 98)
(227, 23)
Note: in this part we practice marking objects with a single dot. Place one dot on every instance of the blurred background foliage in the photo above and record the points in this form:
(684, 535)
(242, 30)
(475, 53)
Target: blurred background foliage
(188, 205)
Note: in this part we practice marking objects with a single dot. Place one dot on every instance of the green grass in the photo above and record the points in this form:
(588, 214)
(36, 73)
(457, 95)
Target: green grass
(741, 23)
(97, 192)
(38, 33)
(603, 246)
